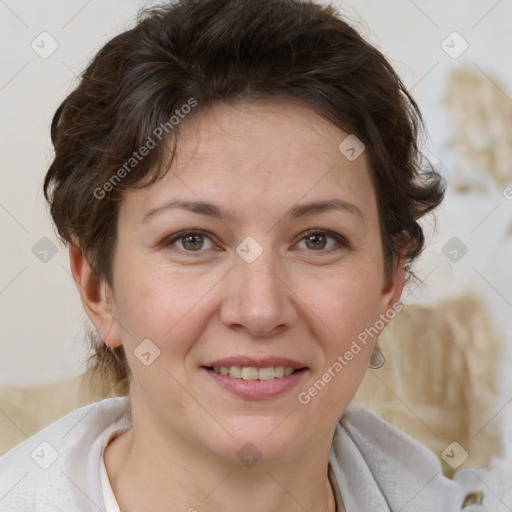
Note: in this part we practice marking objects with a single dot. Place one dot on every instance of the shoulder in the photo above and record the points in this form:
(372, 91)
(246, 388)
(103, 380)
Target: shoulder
(60, 464)
(392, 469)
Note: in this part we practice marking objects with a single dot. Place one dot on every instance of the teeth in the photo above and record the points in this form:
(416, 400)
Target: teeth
(235, 372)
(278, 371)
(249, 373)
(266, 373)
(253, 373)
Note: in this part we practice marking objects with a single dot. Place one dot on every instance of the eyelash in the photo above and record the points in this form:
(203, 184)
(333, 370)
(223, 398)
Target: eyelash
(343, 243)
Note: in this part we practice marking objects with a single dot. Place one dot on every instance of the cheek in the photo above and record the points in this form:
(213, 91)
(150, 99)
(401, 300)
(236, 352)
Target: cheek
(346, 307)
(162, 305)
(346, 302)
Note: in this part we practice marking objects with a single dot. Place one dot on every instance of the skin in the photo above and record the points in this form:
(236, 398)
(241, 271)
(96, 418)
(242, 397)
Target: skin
(199, 303)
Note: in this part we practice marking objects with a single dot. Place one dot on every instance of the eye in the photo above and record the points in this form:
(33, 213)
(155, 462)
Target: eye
(317, 241)
(193, 241)
(190, 241)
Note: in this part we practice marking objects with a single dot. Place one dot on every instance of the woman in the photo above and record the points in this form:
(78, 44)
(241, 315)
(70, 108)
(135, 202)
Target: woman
(240, 185)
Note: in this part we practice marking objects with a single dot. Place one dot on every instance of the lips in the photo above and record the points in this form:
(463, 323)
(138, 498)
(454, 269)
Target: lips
(256, 378)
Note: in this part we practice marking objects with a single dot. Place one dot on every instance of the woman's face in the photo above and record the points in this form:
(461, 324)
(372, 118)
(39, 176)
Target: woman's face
(265, 280)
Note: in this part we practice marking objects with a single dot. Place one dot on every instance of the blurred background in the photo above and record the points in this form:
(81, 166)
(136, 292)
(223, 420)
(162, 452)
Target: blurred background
(454, 57)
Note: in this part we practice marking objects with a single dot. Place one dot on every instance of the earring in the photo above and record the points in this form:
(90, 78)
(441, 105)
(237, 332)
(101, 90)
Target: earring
(377, 358)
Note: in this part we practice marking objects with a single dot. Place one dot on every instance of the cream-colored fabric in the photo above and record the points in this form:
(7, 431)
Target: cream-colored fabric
(26, 410)
(438, 384)
(439, 380)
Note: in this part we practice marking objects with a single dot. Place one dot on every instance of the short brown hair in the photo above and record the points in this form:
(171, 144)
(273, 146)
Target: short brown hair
(228, 50)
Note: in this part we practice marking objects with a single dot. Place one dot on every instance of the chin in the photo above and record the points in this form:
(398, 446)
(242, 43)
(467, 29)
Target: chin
(268, 438)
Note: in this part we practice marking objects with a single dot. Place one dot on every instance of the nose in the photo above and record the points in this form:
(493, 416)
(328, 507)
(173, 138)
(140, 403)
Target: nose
(257, 298)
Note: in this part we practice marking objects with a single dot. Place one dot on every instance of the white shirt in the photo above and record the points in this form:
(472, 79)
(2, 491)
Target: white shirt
(109, 497)
(376, 466)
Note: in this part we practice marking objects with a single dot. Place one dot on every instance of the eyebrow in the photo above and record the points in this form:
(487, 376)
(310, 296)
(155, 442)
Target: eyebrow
(212, 210)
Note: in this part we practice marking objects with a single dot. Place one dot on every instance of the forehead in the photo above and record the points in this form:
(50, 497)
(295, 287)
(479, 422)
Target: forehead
(259, 155)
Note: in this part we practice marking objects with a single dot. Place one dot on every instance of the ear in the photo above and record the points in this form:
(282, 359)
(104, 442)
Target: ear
(96, 297)
(392, 290)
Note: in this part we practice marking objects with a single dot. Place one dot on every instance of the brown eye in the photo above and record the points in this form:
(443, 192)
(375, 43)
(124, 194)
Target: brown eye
(192, 242)
(189, 241)
(318, 241)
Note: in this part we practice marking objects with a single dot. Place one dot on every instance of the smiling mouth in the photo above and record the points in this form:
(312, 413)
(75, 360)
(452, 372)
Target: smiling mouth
(254, 373)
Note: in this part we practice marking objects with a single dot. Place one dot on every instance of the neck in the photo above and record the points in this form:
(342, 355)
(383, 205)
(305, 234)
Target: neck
(148, 474)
